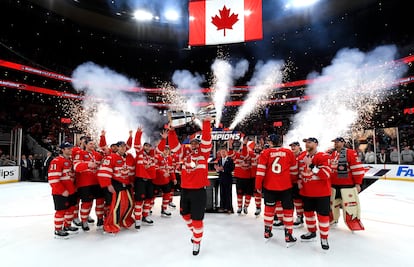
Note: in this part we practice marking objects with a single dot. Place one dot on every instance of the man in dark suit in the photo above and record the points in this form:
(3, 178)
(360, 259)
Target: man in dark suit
(24, 164)
(46, 164)
(224, 168)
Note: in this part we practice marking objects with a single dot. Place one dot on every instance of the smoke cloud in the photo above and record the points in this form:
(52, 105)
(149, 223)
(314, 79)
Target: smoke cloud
(345, 94)
(107, 106)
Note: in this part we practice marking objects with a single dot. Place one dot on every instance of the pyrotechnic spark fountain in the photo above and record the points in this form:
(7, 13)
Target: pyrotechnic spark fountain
(224, 77)
(185, 80)
(352, 87)
(263, 82)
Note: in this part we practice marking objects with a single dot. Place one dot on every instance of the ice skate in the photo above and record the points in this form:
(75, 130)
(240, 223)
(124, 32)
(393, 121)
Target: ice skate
(324, 243)
(289, 239)
(147, 221)
(196, 248)
(308, 237)
(257, 212)
(165, 213)
(239, 211)
(85, 226)
(61, 234)
(278, 225)
(268, 232)
(77, 222)
(99, 224)
(298, 223)
(71, 229)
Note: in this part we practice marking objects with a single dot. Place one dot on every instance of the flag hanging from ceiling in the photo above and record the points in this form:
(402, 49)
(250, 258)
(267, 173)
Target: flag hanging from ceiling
(214, 22)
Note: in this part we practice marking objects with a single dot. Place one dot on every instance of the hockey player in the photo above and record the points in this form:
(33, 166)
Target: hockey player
(193, 181)
(297, 199)
(177, 172)
(242, 173)
(75, 150)
(115, 175)
(346, 178)
(61, 179)
(165, 174)
(85, 164)
(144, 173)
(254, 159)
(315, 188)
(275, 169)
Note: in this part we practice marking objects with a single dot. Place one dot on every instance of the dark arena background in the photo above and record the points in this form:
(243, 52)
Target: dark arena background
(318, 68)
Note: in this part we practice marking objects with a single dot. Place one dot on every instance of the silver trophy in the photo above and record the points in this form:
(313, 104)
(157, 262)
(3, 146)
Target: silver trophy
(179, 119)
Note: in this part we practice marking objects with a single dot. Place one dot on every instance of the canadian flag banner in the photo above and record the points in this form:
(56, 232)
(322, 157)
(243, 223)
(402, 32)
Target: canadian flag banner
(214, 22)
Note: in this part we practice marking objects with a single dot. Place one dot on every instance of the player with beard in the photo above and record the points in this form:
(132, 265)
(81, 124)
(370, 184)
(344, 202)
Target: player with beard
(297, 199)
(165, 174)
(257, 196)
(347, 175)
(315, 188)
(194, 179)
(85, 164)
(144, 174)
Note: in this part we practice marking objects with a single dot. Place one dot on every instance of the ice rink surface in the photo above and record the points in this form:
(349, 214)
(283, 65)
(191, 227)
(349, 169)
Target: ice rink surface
(26, 236)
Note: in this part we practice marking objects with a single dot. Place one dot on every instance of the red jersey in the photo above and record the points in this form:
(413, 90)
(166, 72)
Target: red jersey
(61, 176)
(194, 173)
(86, 176)
(255, 160)
(242, 163)
(145, 162)
(116, 167)
(164, 170)
(314, 180)
(275, 169)
(350, 172)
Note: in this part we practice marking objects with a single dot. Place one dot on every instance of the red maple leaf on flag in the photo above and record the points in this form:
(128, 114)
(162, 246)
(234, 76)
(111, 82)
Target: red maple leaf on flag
(225, 21)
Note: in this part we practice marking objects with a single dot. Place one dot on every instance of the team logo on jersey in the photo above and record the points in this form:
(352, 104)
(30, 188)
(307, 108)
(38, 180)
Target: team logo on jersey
(86, 157)
(106, 162)
(119, 161)
(66, 164)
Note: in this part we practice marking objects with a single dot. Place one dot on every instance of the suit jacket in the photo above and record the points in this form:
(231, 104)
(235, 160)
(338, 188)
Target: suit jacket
(226, 175)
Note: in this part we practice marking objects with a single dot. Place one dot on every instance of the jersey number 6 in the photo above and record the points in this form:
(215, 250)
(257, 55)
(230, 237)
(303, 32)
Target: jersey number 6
(276, 167)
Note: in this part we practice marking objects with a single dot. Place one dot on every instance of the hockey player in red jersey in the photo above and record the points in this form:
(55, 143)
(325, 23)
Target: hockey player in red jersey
(242, 173)
(61, 179)
(347, 175)
(315, 188)
(115, 175)
(297, 199)
(85, 164)
(193, 181)
(254, 159)
(144, 174)
(275, 170)
(165, 174)
(75, 150)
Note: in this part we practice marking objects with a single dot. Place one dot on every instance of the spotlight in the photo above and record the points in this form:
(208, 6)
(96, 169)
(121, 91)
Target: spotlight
(299, 3)
(171, 15)
(143, 15)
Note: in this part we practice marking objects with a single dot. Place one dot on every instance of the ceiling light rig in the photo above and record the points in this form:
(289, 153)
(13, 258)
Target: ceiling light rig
(299, 3)
(143, 15)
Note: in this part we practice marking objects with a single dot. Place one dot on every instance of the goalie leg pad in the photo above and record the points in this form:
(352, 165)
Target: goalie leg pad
(351, 209)
(335, 206)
